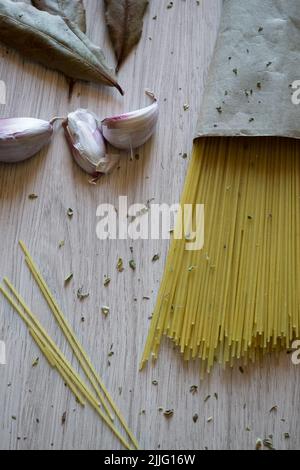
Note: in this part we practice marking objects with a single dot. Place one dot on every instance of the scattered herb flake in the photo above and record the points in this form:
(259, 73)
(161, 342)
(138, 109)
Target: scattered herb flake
(36, 362)
(274, 408)
(207, 398)
(155, 258)
(191, 268)
(61, 244)
(194, 389)
(155, 383)
(258, 445)
(81, 294)
(107, 281)
(33, 196)
(186, 107)
(169, 413)
(105, 311)
(69, 278)
(70, 213)
(64, 418)
(195, 418)
(235, 71)
(268, 444)
(132, 264)
(120, 265)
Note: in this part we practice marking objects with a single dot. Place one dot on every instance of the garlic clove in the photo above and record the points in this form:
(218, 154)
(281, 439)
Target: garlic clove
(21, 138)
(87, 144)
(131, 130)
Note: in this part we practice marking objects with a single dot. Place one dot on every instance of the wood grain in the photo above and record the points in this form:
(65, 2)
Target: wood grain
(172, 59)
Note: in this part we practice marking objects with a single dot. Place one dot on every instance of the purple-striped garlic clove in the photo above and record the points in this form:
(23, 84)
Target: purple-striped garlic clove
(87, 144)
(131, 130)
(21, 138)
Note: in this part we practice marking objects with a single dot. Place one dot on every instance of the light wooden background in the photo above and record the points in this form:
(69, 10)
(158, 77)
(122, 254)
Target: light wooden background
(172, 59)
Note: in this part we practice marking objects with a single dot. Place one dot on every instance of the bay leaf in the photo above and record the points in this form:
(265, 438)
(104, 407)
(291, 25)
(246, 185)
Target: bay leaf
(54, 42)
(72, 9)
(124, 19)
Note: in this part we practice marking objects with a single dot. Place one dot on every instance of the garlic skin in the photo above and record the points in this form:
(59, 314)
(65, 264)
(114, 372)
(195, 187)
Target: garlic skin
(87, 143)
(21, 138)
(131, 130)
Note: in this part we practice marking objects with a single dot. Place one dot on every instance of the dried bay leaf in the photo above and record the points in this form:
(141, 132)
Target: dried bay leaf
(72, 9)
(124, 19)
(54, 42)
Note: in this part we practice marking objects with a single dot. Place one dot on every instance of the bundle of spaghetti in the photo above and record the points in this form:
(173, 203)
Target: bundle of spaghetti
(57, 360)
(237, 298)
(82, 357)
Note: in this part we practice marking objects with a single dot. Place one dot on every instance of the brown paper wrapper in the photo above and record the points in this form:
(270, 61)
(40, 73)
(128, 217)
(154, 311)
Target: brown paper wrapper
(256, 61)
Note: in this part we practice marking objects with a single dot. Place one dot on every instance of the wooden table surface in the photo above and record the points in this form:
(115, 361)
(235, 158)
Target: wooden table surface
(172, 59)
